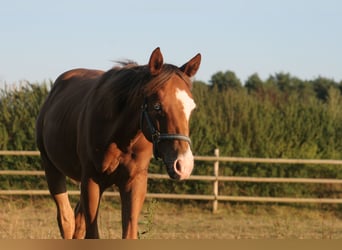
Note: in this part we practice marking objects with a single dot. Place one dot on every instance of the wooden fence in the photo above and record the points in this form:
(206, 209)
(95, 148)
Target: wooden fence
(216, 178)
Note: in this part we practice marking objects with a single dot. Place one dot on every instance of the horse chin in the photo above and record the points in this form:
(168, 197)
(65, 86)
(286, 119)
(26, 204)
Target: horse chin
(180, 167)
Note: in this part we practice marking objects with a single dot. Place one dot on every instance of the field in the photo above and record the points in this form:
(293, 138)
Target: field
(34, 218)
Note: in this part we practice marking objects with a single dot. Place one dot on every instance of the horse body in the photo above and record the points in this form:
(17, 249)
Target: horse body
(57, 123)
(92, 129)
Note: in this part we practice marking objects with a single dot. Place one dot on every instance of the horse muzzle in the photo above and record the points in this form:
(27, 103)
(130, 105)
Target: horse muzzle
(181, 166)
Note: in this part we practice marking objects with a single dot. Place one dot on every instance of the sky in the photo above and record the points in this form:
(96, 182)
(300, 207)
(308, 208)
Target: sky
(40, 39)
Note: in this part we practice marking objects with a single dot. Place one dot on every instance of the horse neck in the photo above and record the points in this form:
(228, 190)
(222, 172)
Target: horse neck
(127, 128)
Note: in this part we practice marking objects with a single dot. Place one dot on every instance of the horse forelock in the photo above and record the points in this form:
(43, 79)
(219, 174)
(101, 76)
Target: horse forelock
(161, 79)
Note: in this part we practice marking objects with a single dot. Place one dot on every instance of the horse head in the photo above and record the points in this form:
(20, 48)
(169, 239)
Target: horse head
(166, 114)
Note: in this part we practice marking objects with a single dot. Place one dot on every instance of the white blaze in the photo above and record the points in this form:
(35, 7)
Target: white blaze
(187, 101)
(186, 160)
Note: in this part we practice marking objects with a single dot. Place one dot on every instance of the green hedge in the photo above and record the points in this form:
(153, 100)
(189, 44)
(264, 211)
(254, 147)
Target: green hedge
(281, 117)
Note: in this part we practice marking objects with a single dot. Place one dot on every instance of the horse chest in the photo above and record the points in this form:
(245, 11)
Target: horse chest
(114, 157)
(111, 159)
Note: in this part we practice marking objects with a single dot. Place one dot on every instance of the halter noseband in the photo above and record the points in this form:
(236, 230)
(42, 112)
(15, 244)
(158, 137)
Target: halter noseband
(155, 134)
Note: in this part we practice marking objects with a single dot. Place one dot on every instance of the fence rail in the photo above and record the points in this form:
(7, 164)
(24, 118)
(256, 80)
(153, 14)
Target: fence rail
(216, 178)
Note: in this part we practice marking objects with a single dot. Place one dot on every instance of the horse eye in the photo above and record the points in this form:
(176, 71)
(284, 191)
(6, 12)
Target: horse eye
(157, 106)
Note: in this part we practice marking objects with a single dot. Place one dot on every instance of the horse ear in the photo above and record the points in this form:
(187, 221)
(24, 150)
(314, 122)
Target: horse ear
(156, 62)
(191, 67)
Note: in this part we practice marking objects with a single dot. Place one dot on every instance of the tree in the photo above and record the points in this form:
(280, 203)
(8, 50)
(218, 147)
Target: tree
(225, 80)
(254, 83)
(321, 86)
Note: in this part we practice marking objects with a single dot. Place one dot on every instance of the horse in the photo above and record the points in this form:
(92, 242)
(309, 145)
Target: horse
(102, 129)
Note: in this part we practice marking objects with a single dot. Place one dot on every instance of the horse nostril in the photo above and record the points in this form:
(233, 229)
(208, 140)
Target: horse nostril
(178, 166)
(182, 169)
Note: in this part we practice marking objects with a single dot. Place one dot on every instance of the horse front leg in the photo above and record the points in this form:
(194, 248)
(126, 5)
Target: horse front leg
(80, 224)
(90, 201)
(132, 199)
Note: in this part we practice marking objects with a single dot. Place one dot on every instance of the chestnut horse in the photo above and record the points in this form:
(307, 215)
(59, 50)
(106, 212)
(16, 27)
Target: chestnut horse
(102, 128)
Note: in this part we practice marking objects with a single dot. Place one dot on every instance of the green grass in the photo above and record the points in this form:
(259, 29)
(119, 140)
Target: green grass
(34, 218)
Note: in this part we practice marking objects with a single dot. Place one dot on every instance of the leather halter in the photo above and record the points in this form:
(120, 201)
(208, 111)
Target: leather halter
(155, 133)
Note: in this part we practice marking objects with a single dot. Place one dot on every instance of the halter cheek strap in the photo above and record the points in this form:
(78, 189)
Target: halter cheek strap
(155, 134)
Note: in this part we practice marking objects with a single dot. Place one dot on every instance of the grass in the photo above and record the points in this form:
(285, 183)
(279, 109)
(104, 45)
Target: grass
(34, 218)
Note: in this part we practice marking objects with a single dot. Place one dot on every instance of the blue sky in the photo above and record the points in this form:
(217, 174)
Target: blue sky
(40, 38)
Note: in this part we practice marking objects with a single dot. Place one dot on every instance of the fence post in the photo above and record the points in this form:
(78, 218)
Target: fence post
(216, 174)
